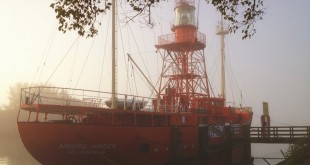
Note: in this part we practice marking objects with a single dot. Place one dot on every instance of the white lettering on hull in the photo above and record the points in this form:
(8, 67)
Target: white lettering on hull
(87, 149)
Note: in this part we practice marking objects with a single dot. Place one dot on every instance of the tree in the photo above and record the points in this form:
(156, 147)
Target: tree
(82, 15)
(46, 91)
(298, 153)
(42, 94)
(14, 96)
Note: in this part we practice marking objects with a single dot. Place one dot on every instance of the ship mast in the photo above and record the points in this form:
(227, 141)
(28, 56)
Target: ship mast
(221, 31)
(114, 55)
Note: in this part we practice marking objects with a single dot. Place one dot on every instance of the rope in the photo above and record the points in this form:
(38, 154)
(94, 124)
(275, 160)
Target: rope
(128, 86)
(49, 45)
(62, 60)
(85, 62)
(73, 66)
(272, 121)
(148, 74)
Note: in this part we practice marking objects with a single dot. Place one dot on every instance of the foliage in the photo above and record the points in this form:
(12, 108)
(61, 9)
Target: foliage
(79, 14)
(298, 153)
(82, 15)
(241, 14)
(14, 96)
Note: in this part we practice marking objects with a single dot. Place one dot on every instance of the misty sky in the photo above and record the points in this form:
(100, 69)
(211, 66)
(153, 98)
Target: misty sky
(272, 66)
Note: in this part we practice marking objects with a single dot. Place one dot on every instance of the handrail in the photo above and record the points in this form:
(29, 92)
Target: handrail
(185, 37)
(281, 131)
(280, 134)
(71, 96)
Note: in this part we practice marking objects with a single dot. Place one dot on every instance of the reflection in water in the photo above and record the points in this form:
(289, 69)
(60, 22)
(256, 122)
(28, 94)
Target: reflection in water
(4, 160)
(22, 157)
(268, 151)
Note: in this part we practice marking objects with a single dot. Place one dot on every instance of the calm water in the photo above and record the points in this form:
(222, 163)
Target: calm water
(4, 160)
(12, 152)
(268, 151)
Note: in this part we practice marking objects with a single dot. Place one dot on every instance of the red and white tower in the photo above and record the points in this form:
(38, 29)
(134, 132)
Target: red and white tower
(184, 82)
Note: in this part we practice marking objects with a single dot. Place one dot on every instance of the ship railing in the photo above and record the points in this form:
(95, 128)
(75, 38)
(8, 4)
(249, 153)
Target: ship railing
(77, 97)
(184, 37)
(58, 104)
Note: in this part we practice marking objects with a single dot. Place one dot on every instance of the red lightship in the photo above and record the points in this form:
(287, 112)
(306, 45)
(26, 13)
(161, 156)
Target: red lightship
(182, 124)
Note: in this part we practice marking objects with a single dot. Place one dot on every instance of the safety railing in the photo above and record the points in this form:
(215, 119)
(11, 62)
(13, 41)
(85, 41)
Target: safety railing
(77, 97)
(280, 134)
(184, 37)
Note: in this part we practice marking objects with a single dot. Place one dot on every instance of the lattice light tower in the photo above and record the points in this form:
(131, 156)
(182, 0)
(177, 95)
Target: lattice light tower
(184, 81)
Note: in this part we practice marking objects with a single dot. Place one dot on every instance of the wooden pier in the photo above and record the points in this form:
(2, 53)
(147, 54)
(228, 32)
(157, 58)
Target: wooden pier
(279, 134)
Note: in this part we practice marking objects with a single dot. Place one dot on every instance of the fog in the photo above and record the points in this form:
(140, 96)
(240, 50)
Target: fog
(12, 151)
(273, 66)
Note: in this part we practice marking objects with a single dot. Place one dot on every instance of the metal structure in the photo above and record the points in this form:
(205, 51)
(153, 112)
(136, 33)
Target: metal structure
(114, 54)
(184, 71)
(222, 31)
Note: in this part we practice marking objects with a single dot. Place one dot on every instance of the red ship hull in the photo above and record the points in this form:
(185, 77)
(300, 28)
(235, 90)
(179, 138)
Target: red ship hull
(52, 143)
